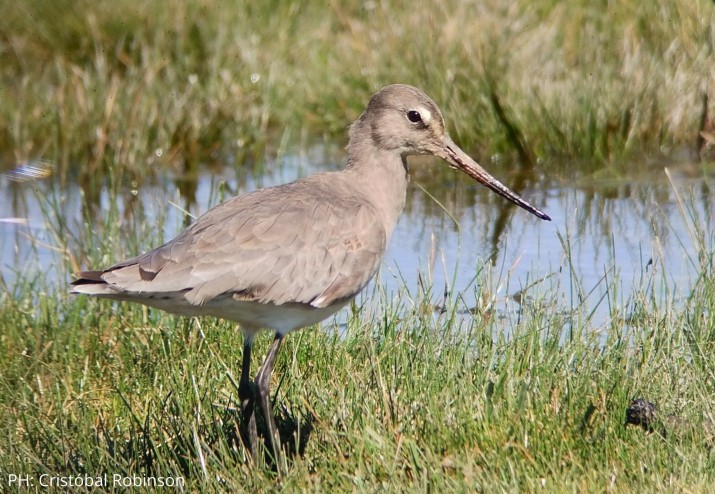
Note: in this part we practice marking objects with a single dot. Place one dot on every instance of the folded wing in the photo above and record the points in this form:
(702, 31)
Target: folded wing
(296, 243)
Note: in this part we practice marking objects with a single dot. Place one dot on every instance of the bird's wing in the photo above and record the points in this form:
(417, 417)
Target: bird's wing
(294, 243)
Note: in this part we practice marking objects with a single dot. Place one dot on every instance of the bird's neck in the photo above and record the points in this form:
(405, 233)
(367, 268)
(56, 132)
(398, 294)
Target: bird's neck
(381, 178)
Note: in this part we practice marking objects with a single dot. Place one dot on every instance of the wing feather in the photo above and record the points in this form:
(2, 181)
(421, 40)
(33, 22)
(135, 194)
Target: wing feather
(304, 242)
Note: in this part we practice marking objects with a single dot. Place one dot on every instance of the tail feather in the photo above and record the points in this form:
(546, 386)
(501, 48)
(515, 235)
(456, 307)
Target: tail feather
(88, 278)
(91, 283)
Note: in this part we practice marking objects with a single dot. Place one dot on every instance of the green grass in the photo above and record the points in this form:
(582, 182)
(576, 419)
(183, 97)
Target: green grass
(400, 402)
(99, 86)
(400, 399)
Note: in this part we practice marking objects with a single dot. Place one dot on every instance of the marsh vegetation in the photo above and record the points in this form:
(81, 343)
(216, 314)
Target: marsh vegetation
(501, 358)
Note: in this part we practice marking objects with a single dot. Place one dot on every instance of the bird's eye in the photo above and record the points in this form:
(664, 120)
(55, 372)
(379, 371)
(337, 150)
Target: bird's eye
(414, 116)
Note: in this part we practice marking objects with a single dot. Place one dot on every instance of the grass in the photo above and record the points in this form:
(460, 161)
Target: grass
(112, 89)
(118, 96)
(399, 399)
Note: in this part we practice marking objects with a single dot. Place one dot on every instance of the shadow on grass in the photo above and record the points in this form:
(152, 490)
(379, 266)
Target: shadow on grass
(294, 434)
(174, 438)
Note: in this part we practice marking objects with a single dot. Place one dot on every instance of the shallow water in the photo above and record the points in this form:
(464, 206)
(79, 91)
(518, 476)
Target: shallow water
(622, 233)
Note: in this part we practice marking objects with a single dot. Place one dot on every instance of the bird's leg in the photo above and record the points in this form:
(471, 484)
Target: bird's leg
(263, 379)
(247, 396)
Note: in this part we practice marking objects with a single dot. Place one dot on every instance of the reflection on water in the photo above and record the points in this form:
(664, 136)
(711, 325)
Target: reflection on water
(622, 231)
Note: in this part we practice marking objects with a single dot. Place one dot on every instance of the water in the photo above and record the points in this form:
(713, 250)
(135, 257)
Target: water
(622, 234)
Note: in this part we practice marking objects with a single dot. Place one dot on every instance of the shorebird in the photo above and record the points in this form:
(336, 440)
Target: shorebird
(286, 257)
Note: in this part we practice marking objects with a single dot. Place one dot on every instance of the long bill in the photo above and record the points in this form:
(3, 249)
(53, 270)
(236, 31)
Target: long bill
(460, 160)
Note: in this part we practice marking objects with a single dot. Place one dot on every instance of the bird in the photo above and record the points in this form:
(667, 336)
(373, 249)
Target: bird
(286, 257)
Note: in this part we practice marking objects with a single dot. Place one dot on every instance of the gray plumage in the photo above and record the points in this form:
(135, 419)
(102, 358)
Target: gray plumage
(286, 257)
(312, 242)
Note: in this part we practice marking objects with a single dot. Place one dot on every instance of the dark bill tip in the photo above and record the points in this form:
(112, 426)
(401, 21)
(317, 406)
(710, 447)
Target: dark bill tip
(461, 161)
